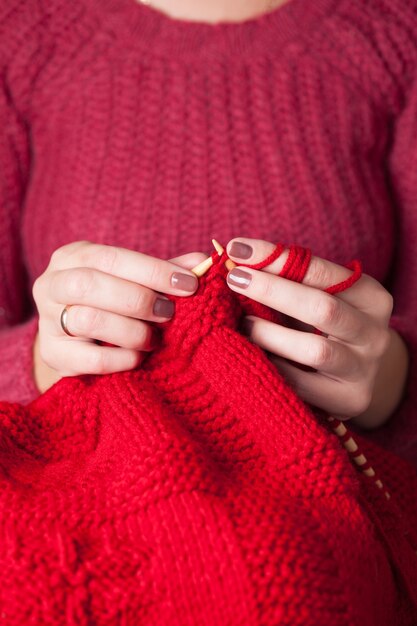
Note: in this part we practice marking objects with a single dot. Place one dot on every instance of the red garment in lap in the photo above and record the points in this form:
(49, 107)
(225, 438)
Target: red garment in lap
(198, 489)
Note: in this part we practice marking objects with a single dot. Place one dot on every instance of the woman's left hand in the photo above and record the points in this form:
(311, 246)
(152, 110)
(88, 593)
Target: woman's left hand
(347, 359)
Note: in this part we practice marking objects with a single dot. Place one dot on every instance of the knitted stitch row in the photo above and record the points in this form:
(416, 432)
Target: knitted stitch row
(197, 490)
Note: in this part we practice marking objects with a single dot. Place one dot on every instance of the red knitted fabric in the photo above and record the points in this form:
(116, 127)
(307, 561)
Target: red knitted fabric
(197, 490)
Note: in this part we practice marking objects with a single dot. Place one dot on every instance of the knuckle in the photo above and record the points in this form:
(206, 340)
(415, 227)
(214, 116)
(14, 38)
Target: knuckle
(78, 282)
(37, 288)
(326, 310)
(360, 401)
(101, 256)
(64, 252)
(137, 302)
(56, 284)
(382, 300)
(319, 352)
(58, 254)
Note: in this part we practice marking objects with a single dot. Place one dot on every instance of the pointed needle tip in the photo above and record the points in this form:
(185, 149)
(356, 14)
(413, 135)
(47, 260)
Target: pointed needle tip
(218, 247)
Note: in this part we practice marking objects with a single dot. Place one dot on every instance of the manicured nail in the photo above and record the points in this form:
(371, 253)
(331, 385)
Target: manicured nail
(239, 278)
(241, 250)
(163, 307)
(186, 282)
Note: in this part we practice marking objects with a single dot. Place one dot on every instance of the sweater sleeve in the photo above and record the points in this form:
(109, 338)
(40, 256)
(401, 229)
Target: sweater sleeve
(400, 432)
(18, 320)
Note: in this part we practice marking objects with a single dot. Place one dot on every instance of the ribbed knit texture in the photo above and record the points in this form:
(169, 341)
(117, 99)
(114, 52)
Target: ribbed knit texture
(197, 490)
(122, 126)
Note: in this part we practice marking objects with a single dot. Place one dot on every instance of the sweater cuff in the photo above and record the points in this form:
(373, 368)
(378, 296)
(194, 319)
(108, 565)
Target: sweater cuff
(17, 383)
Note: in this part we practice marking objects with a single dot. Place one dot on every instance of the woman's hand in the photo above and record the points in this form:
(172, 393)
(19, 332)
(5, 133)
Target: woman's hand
(114, 293)
(359, 364)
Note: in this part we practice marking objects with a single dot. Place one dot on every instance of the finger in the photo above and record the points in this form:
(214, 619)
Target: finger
(157, 274)
(90, 323)
(366, 294)
(189, 260)
(328, 357)
(90, 358)
(96, 289)
(332, 396)
(307, 304)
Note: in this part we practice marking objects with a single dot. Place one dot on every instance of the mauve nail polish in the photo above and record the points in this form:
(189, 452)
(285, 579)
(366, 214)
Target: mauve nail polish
(239, 278)
(184, 281)
(241, 250)
(163, 307)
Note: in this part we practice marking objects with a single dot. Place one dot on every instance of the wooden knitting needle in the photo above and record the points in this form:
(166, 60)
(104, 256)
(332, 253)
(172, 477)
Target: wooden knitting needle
(219, 249)
(205, 265)
(352, 447)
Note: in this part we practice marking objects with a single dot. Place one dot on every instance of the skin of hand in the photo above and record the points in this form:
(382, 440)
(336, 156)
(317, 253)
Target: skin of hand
(358, 367)
(114, 293)
(215, 10)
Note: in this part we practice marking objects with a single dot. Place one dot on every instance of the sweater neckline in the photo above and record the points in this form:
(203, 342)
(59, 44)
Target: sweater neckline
(162, 35)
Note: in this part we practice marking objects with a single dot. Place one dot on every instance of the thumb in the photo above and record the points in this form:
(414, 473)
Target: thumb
(189, 260)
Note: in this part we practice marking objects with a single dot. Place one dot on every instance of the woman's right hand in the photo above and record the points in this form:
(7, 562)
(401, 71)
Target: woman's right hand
(114, 293)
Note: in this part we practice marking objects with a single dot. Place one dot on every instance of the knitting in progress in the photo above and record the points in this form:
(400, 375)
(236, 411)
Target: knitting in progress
(198, 490)
(123, 127)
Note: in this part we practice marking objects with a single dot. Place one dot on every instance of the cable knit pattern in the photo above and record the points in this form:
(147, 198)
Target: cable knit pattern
(197, 490)
(122, 126)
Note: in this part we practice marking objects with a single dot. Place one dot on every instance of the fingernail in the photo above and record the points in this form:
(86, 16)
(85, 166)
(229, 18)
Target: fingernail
(163, 307)
(247, 326)
(239, 278)
(241, 250)
(186, 282)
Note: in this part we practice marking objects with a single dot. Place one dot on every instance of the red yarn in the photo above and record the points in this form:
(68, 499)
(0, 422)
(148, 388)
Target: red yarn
(198, 489)
(297, 263)
(279, 249)
(354, 265)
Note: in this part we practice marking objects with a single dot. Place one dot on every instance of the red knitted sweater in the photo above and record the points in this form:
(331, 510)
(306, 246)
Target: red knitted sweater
(198, 490)
(120, 125)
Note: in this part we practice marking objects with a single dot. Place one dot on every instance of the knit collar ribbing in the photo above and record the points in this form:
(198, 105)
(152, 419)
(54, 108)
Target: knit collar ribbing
(162, 35)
